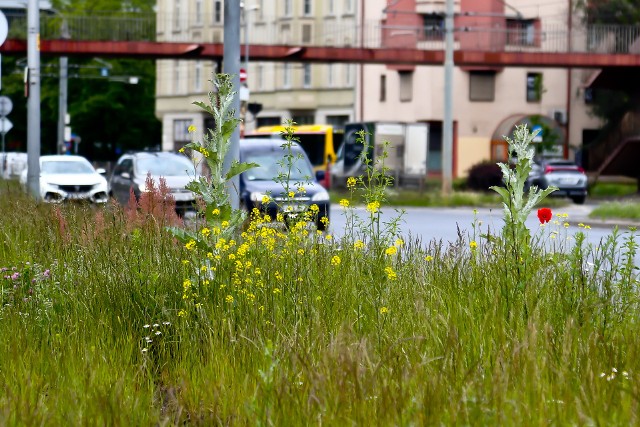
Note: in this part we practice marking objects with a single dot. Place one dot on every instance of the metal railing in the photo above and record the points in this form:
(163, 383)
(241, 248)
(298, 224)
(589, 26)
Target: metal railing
(548, 38)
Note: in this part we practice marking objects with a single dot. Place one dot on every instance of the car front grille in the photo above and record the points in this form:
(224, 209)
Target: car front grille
(75, 188)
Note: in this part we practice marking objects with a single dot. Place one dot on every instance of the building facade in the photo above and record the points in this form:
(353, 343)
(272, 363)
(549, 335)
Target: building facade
(487, 101)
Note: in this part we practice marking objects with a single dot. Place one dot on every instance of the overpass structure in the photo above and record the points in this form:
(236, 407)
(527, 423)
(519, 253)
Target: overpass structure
(151, 36)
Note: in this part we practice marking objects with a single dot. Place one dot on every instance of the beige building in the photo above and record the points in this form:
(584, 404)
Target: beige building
(487, 101)
(305, 93)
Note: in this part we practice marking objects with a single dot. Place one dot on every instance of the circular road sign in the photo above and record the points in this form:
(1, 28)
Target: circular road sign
(4, 28)
(243, 75)
(5, 105)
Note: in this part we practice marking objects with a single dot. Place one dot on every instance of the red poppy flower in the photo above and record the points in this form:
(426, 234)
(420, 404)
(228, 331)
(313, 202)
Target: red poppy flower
(544, 215)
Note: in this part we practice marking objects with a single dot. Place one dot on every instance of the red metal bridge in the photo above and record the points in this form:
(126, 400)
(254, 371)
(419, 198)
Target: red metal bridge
(149, 36)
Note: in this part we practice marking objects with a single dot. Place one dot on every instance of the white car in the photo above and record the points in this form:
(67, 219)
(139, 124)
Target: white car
(65, 177)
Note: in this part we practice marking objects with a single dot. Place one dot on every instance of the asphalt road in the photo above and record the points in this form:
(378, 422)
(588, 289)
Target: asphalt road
(444, 223)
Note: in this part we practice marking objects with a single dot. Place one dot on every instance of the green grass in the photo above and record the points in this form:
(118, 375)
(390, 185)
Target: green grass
(613, 189)
(304, 330)
(623, 210)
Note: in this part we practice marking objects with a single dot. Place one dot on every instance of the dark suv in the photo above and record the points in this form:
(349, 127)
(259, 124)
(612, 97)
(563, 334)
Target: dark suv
(564, 174)
(130, 173)
(258, 182)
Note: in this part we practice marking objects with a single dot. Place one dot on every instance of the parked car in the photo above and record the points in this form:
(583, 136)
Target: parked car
(131, 170)
(564, 174)
(261, 181)
(65, 177)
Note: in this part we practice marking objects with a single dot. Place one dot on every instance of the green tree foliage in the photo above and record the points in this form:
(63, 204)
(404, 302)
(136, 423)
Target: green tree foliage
(624, 12)
(108, 114)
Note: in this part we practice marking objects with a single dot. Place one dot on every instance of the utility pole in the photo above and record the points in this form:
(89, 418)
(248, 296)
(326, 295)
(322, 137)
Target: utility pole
(33, 105)
(62, 97)
(231, 65)
(447, 125)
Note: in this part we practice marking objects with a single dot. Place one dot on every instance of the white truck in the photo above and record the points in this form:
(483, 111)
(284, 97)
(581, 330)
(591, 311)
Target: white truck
(406, 153)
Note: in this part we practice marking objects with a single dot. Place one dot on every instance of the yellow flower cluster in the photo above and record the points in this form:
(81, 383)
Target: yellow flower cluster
(373, 207)
(344, 203)
(351, 182)
(335, 261)
(390, 273)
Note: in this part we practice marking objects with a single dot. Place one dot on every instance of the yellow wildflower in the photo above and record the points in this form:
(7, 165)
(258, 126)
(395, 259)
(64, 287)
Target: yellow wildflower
(473, 244)
(181, 151)
(373, 207)
(390, 273)
(182, 313)
(314, 208)
(265, 199)
(205, 231)
(428, 258)
(391, 250)
(384, 310)
(190, 245)
(291, 194)
(216, 211)
(399, 242)
(351, 182)
(335, 261)
(229, 299)
(191, 128)
(344, 203)
(359, 244)
(276, 291)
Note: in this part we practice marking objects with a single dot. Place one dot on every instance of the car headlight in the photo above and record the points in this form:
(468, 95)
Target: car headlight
(320, 196)
(257, 196)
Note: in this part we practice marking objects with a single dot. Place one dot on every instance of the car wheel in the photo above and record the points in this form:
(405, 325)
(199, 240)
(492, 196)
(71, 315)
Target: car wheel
(578, 200)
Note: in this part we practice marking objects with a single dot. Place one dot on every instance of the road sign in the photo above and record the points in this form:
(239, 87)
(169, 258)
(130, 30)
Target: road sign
(5, 105)
(243, 75)
(5, 125)
(540, 135)
(4, 28)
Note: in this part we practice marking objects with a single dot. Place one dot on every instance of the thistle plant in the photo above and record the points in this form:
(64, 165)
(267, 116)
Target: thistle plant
(213, 189)
(518, 205)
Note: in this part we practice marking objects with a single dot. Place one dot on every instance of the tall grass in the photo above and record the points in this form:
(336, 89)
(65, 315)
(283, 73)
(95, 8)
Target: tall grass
(122, 316)
(318, 331)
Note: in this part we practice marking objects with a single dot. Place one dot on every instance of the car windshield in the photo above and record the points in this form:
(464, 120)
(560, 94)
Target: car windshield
(66, 167)
(164, 166)
(270, 168)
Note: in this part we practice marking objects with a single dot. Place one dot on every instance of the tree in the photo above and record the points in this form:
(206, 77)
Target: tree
(109, 116)
(624, 12)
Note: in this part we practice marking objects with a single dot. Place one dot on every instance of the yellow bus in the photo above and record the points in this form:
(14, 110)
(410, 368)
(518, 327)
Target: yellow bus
(320, 142)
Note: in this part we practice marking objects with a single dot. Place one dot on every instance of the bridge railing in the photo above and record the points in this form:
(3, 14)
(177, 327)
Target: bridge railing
(547, 37)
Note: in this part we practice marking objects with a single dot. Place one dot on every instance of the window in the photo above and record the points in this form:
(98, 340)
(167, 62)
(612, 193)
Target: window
(199, 12)
(406, 85)
(260, 77)
(287, 8)
(197, 84)
(383, 88)
(306, 82)
(176, 15)
(330, 78)
(306, 33)
(432, 26)
(348, 74)
(521, 32)
(217, 11)
(482, 86)
(348, 6)
(331, 7)
(534, 87)
(176, 77)
(307, 7)
(181, 130)
(303, 117)
(286, 76)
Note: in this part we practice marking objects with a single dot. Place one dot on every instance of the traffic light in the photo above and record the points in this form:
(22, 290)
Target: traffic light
(254, 108)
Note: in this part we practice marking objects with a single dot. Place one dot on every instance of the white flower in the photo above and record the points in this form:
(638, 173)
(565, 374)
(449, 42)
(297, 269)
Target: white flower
(155, 325)
(144, 350)
(158, 332)
(146, 326)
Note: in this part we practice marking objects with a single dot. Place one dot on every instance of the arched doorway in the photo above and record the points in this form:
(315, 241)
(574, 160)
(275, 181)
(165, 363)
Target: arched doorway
(550, 141)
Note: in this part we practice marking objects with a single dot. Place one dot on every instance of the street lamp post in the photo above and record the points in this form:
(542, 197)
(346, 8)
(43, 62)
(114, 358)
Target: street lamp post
(245, 11)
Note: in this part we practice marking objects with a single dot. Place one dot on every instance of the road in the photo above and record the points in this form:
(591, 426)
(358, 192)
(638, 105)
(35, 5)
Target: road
(443, 223)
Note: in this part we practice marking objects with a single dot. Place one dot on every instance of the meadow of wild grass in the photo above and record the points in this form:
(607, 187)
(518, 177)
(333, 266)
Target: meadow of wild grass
(123, 316)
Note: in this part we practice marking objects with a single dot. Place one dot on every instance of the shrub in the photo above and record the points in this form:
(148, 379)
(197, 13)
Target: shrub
(484, 175)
